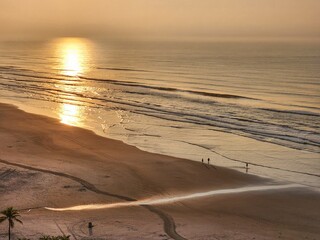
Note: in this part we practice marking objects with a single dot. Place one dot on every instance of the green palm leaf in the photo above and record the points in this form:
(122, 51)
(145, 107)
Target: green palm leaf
(11, 215)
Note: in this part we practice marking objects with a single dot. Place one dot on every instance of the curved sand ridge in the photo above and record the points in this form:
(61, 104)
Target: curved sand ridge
(158, 201)
(169, 224)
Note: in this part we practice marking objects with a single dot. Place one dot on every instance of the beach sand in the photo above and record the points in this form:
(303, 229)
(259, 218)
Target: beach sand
(44, 163)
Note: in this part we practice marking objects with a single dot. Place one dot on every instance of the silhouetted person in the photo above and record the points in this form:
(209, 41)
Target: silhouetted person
(202, 160)
(208, 160)
(247, 167)
(90, 226)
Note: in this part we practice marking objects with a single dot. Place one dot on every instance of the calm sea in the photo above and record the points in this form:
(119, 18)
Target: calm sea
(230, 102)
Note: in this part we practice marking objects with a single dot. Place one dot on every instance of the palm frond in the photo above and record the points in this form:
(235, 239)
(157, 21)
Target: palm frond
(2, 219)
(18, 220)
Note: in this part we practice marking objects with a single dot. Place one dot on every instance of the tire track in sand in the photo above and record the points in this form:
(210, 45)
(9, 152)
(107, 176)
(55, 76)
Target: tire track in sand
(169, 224)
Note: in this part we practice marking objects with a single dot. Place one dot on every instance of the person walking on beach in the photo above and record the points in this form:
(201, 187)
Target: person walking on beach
(202, 160)
(90, 226)
(209, 161)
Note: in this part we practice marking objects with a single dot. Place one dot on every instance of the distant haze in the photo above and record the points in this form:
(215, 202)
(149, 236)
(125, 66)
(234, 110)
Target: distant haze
(200, 19)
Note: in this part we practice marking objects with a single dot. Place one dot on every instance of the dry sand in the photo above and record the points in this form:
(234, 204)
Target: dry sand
(44, 163)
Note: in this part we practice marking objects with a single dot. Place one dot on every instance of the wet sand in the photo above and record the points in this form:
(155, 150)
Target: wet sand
(44, 163)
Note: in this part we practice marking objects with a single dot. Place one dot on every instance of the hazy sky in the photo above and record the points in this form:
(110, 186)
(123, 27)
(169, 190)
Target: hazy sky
(160, 18)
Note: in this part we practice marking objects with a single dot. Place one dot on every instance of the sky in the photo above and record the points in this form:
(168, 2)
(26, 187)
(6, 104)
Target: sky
(182, 19)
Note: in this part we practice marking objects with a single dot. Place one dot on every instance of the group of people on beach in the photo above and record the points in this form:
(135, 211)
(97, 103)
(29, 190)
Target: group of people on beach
(247, 164)
(208, 161)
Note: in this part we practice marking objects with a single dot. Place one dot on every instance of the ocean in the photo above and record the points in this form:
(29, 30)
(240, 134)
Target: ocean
(232, 102)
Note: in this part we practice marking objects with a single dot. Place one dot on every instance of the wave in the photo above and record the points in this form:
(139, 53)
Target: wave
(170, 104)
(136, 84)
(293, 139)
(123, 69)
(296, 112)
(170, 89)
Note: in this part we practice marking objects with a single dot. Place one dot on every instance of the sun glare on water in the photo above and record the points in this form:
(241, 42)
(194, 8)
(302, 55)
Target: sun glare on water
(70, 114)
(74, 56)
(72, 64)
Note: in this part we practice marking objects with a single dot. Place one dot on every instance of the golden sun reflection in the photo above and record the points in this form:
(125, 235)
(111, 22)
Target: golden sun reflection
(73, 55)
(70, 114)
(72, 65)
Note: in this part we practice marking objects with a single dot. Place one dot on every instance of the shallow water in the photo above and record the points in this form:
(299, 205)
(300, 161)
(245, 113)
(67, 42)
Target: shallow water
(232, 102)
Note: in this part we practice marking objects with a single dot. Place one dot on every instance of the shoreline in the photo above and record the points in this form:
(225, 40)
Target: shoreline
(230, 153)
(47, 163)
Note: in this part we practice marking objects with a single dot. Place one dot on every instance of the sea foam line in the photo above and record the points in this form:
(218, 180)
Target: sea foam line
(157, 201)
